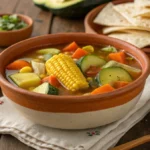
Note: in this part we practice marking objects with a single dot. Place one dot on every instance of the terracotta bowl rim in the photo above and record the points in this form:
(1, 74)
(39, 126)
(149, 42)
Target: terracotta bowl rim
(88, 98)
(30, 23)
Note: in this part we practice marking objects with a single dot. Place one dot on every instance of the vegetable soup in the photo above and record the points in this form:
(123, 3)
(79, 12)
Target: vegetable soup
(74, 69)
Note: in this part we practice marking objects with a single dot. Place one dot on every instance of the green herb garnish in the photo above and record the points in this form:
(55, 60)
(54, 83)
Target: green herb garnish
(109, 49)
(11, 22)
(129, 58)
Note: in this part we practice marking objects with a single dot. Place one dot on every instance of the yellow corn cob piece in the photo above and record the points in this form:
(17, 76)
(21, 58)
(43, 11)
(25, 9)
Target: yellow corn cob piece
(66, 71)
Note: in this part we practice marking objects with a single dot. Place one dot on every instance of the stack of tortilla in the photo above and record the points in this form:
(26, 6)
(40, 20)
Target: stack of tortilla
(128, 21)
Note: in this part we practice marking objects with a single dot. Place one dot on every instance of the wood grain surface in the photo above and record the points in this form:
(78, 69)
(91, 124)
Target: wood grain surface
(46, 23)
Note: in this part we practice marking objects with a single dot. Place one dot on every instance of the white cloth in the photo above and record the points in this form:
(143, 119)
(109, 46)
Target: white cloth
(44, 138)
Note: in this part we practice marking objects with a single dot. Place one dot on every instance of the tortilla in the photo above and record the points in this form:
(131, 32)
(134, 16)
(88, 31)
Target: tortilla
(140, 39)
(147, 15)
(109, 17)
(129, 11)
(133, 9)
(145, 3)
(108, 30)
(142, 11)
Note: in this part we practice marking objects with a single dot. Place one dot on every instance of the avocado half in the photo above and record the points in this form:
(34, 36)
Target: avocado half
(69, 8)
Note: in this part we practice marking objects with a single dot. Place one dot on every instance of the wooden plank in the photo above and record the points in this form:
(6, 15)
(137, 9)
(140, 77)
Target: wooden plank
(41, 18)
(42, 23)
(7, 142)
(140, 129)
(8, 6)
(65, 25)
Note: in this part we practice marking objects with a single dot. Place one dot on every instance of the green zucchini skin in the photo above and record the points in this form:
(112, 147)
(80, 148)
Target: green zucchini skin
(112, 74)
(75, 11)
(90, 60)
(46, 88)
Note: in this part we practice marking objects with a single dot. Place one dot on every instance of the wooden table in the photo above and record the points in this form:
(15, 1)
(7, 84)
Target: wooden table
(45, 23)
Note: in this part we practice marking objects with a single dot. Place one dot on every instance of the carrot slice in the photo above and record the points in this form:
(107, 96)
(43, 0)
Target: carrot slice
(79, 53)
(119, 84)
(119, 57)
(52, 80)
(103, 89)
(18, 64)
(71, 47)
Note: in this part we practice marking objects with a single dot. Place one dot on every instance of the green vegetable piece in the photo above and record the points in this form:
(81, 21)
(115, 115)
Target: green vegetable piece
(21, 25)
(134, 72)
(14, 19)
(113, 74)
(89, 48)
(109, 49)
(10, 26)
(47, 56)
(129, 58)
(1, 29)
(5, 17)
(92, 82)
(90, 60)
(11, 22)
(52, 51)
(46, 88)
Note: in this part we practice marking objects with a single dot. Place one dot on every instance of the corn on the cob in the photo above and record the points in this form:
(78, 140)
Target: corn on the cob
(66, 71)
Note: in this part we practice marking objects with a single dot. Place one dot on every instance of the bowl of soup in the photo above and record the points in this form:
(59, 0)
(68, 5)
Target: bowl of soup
(73, 80)
(14, 28)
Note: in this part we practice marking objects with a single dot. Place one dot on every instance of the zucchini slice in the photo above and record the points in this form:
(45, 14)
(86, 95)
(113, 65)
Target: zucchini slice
(113, 74)
(47, 56)
(134, 72)
(90, 60)
(46, 88)
(52, 51)
(25, 80)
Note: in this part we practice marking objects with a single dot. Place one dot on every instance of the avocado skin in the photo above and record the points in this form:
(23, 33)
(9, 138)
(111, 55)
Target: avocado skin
(43, 7)
(75, 11)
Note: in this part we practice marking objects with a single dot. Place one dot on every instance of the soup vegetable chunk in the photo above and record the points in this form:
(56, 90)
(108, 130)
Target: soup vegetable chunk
(11, 22)
(74, 69)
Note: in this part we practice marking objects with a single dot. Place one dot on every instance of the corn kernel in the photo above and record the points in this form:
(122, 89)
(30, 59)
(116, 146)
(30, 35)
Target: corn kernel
(42, 76)
(31, 88)
(89, 79)
(25, 69)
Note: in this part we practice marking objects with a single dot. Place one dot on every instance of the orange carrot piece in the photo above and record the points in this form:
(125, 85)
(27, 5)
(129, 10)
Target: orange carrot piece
(52, 80)
(18, 64)
(119, 84)
(71, 47)
(103, 89)
(119, 57)
(79, 53)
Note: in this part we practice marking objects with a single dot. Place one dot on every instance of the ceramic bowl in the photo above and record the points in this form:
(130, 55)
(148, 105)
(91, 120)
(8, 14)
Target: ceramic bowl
(11, 37)
(73, 112)
(91, 27)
